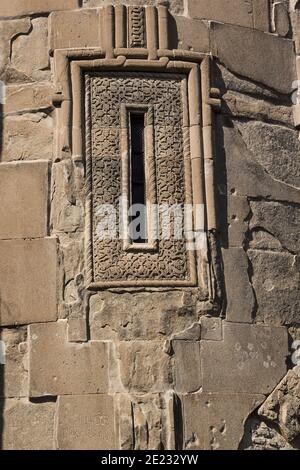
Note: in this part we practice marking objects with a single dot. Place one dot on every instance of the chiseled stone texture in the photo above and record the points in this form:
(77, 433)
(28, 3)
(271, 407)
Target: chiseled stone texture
(187, 366)
(276, 283)
(273, 66)
(250, 359)
(28, 426)
(57, 367)
(29, 52)
(283, 405)
(28, 97)
(246, 173)
(28, 281)
(86, 422)
(275, 148)
(83, 29)
(67, 203)
(144, 366)
(239, 293)
(143, 316)
(215, 421)
(281, 220)
(27, 136)
(23, 7)
(238, 12)
(14, 373)
(24, 199)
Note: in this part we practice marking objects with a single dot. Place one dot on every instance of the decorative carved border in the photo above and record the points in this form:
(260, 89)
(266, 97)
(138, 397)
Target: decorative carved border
(70, 66)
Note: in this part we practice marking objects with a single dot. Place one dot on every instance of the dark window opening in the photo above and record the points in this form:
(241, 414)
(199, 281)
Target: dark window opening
(138, 218)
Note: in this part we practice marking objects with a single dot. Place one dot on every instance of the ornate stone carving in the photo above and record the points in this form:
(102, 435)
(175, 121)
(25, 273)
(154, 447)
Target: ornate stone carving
(137, 27)
(164, 93)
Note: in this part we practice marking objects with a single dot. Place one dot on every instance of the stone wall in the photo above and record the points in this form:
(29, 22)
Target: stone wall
(160, 367)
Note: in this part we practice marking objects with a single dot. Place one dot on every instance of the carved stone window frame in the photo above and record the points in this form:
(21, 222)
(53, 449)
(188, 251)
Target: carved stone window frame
(151, 198)
(70, 67)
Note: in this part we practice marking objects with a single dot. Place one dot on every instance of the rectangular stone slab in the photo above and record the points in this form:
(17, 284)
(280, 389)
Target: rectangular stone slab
(28, 281)
(57, 367)
(23, 196)
(86, 422)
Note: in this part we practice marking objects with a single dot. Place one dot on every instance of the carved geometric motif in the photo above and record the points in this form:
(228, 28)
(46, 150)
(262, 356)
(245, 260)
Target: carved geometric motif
(109, 92)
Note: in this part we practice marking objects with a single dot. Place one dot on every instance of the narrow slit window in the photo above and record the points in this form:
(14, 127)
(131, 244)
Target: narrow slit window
(138, 203)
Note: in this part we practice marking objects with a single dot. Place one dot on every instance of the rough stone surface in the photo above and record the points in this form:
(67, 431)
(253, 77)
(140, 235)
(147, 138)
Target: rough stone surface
(239, 292)
(23, 192)
(28, 426)
(238, 12)
(278, 301)
(246, 172)
(15, 370)
(231, 365)
(27, 137)
(278, 219)
(187, 366)
(84, 29)
(278, 160)
(283, 405)
(67, 207)
(28, 97)
(16, 8)
(144, 366)
(136, 316)
(29, 54)
(30, 265)
(86, 422)
(274, 66)
(60, 368)
(215, 421)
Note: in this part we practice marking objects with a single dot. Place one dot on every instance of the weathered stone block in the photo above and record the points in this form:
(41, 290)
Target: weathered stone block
(278, 219)
(211, 329)
(283, 405)
(24, 200)
(27, 426)
(83, 29)
(28, 281)
(190, 35)
(239, 292)
(143, 315)
(274, 66)
(232, 365)
(245, 174)
(57, 367)
(215, 421)
(67, 205)
(17, 8)
(144, 366)
(276, 283)
(29, 53)
(86, 422)
(281, 19)
(187, 366)
(14, 373)
(28, 97)
(261, 15)
(8, 30)
(27, 137)
(238, 212)
(236, 12)
(279, 160)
